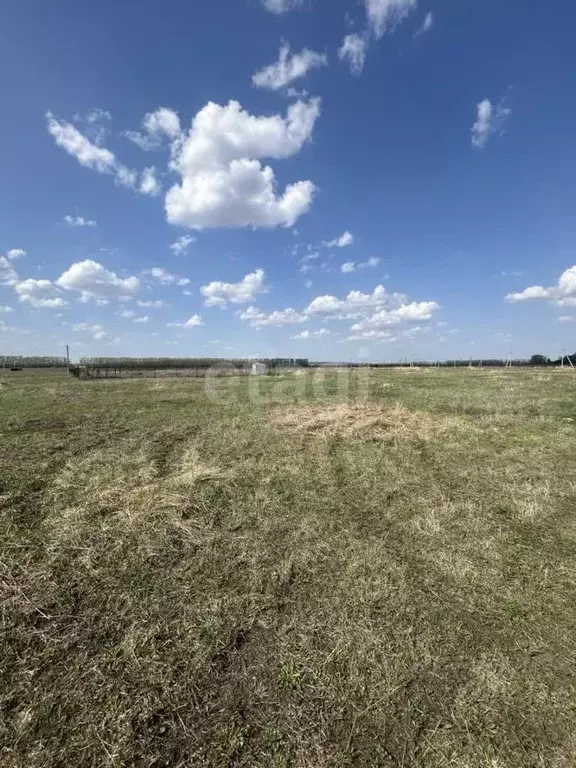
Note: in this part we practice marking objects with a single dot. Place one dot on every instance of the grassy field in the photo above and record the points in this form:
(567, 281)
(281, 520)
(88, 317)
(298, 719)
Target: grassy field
(364, 569)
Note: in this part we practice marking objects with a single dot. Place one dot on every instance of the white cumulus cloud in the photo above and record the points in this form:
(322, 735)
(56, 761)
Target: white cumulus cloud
(353, 52)
(162, 122)
(490, 120)
(349, 266)
(93, 281)
(40, 294)
(563, 294)
(143, 319)
(371, 312)
(417, 310)
(217, 294)
(15, 253)
(355, 302)
(224, 184)
(157, 127)
(288, 68)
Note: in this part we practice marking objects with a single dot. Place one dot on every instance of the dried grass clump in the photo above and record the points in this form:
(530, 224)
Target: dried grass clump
(365, 421)
(128, 490)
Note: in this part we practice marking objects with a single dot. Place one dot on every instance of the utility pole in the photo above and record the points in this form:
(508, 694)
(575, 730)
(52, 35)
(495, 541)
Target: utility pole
(564, 355)
(68, 358)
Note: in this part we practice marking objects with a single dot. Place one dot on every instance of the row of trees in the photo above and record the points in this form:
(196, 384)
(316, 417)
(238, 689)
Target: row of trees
(543, 360)
(169, 363)
(203, 363)
(20, 361)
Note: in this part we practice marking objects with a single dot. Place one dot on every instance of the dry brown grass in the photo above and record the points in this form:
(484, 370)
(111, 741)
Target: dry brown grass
(276, 576)
(125, 491)
(367, 422)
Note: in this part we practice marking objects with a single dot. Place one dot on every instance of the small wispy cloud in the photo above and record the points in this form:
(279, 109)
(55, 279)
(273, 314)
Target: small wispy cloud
(346, 238)
(489, 121)
(180, 246)
(351, 266)
(288, 68)
(79, 221)
(193, 322)
(281, 6)
(312, 334)
(426, 25)
(353, 52)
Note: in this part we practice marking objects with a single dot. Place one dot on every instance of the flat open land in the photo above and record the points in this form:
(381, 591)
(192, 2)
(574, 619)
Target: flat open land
(375, 568)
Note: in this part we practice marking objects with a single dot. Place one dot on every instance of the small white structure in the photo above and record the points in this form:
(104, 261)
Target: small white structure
(259, 369)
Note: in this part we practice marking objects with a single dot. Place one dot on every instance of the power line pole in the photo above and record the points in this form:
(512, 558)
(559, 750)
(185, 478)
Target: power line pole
(68, 358)
(564, 355)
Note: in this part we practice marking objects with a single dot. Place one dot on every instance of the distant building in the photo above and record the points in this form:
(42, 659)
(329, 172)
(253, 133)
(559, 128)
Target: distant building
(260, 369)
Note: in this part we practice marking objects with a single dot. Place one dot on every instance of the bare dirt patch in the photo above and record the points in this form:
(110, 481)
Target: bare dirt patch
(365, 421)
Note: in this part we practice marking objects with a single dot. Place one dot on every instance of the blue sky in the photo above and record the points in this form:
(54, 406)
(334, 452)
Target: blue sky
(369, 179)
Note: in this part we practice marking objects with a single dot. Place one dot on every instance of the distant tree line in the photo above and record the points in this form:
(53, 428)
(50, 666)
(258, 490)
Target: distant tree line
(535, 360)
(20, 361)
(204, 363)
(543, 360)
(168, 363)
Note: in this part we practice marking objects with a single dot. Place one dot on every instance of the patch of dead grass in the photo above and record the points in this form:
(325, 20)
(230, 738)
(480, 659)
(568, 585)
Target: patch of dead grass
(366, 422)
(126, 490)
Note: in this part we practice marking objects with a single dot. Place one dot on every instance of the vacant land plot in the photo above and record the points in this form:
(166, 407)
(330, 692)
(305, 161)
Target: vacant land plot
(367, 569)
